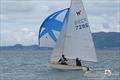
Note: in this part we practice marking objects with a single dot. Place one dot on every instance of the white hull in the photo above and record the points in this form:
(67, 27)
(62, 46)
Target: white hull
(56, 65)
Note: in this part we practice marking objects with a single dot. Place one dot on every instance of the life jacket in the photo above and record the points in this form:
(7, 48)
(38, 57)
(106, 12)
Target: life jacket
(62, 59)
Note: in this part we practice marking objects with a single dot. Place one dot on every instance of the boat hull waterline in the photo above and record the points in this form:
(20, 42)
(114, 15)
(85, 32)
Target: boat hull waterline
(56, 65)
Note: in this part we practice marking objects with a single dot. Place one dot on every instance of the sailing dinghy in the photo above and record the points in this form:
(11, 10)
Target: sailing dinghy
(75, 39)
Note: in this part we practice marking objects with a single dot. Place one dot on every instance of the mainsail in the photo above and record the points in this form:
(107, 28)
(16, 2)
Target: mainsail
(75, 39)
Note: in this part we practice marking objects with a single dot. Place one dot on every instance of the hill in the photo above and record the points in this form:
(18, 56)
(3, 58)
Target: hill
(102, 40)
(21, 47)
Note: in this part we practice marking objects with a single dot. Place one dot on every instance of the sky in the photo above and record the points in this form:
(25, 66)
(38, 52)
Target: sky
(20, 20)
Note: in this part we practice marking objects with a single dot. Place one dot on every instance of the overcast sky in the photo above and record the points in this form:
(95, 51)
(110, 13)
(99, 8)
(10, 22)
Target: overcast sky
(20, 20)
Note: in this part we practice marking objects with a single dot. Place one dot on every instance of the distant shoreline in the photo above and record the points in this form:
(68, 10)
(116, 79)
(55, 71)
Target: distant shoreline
(37, 48)
(102, 40)
(26, 50)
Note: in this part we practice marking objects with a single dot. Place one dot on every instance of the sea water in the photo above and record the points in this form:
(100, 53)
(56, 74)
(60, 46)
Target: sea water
(33, 65)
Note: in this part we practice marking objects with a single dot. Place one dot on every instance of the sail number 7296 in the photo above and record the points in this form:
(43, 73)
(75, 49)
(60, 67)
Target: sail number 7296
(81, 23)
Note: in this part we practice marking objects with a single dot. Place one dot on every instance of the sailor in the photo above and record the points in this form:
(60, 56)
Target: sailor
(63, 60)
(78, 62)
(88, 69)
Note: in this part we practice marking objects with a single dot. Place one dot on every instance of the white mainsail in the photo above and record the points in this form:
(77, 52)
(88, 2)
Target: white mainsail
(75, 39)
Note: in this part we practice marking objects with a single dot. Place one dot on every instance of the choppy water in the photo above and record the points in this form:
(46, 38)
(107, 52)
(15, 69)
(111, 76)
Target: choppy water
(32, 65)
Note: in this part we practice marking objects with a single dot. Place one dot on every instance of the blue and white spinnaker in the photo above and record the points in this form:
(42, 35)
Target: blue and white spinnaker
(51, 27)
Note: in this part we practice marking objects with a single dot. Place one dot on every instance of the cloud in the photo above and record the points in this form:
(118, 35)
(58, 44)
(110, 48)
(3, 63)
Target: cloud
(22, 36)
(101, 7)
(103, 13)
(21, 19)
(106, 26)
